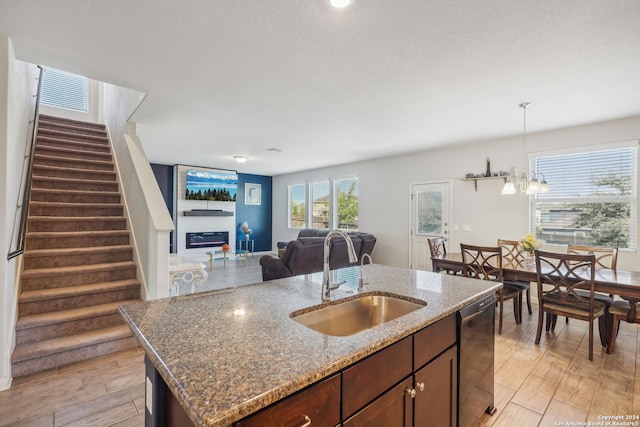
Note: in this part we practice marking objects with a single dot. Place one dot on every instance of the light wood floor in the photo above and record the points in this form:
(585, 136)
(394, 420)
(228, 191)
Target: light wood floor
(534, 385)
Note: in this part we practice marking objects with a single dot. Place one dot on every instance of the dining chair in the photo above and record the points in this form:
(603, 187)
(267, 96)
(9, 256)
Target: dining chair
(513, 256)
(437, 247)
(566, 273)
(485, 263)
(606, 257)
(627, 309)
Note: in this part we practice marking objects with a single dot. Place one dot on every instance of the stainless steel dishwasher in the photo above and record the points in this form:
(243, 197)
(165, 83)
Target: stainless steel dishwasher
(476, 328)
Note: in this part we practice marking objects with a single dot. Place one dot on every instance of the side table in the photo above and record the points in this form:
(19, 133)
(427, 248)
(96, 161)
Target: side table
(248, 245)
(212, 253)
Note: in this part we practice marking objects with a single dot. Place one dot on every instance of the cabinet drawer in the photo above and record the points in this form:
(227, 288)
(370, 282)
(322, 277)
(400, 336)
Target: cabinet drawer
(433, 340)
(374, 375)
(320, 403)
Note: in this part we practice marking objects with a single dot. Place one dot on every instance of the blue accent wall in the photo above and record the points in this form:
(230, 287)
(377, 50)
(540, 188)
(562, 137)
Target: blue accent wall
(257, 216)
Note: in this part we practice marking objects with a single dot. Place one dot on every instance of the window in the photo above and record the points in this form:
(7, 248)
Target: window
(320, 204)
(297, 206)
(592, 199)
(60, 89)
(346, 202)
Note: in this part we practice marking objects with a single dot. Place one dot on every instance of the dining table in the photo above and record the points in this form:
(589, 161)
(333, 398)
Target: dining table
(623, 283)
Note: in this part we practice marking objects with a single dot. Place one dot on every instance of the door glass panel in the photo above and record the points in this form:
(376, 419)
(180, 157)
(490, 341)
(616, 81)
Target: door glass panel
(430, 214)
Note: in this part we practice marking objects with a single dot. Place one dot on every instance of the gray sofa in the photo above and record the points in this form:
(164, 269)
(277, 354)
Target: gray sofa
(305, 254)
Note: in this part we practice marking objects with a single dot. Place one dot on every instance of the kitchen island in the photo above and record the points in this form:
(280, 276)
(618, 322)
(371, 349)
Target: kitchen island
(227, 354)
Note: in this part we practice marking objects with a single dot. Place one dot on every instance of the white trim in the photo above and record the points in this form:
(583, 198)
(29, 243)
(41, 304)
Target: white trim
(411, 231)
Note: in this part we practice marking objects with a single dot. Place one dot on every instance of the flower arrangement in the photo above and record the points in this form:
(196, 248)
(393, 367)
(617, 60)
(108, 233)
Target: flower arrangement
(528, 244)
(246, 230)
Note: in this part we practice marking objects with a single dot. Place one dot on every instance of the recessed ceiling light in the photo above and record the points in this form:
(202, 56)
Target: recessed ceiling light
(240, 159)
(340, 4)
(274, 150)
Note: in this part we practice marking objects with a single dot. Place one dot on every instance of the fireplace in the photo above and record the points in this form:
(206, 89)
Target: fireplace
(207, 239)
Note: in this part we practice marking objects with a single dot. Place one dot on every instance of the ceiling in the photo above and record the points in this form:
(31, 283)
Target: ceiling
(329, 86)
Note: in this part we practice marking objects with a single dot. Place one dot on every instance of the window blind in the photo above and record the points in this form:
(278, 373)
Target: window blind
(346, 194)
(64, 90)
(320, 204)
(297, 206)
(592, 199)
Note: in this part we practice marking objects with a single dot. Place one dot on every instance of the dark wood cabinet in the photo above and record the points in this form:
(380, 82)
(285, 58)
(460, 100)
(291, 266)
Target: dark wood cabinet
(369, 378)
(392, 409)
(412, 382)
(426, 398)
(433, 340)
(317, 405)
(436, 386)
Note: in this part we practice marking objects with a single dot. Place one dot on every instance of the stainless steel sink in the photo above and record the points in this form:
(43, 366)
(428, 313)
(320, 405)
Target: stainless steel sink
(356, 315)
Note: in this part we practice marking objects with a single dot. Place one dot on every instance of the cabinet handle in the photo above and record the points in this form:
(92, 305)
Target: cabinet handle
(307, 422)
(420, 386)
(411, 392)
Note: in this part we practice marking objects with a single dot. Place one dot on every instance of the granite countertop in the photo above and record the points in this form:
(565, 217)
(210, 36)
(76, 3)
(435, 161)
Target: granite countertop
(222, 367)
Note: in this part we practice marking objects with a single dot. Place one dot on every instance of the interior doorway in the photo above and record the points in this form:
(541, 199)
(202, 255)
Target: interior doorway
(430, 211)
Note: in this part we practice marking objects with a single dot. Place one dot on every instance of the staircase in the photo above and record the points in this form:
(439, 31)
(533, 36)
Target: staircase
(78, 264)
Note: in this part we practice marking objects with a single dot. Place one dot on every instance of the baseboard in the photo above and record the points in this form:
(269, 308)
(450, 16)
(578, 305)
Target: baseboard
(5, 383)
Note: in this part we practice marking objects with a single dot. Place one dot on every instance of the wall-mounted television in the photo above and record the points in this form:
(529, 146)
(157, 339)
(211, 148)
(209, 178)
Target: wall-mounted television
(218, 185)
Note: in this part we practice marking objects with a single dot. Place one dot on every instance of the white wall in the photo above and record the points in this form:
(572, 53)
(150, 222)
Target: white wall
(149, 218)
(385, 189)
(17, 85)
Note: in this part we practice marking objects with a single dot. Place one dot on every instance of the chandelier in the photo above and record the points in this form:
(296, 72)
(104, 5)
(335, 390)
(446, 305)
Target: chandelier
(527, 183)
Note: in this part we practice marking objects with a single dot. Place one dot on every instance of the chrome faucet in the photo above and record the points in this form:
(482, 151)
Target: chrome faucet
(327, 287)
(361, 281)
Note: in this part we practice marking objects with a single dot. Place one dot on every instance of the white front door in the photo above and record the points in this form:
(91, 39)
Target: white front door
(430, 218)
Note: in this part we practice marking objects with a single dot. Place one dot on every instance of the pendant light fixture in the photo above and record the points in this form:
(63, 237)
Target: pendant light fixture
(527, 183)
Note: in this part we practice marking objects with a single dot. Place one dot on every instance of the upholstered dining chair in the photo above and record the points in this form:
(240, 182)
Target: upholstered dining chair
(511, 255)
(485, 263)
(437, 247)
(559, 276)
(628, 310)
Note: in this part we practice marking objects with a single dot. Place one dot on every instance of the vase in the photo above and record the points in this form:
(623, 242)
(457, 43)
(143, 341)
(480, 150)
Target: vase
(530, 259)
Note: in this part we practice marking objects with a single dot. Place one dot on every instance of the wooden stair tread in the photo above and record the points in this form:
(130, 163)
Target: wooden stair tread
(68, 343)
(73, 153)
(72, 205)
(47, 118)
(87, 233)
(74, 269)
(70, 160)
(63, 169)
(53, 128)
(62, 316)
(74, 192)
(72, 181)
(35, 253)
(62, 135)
(93, 288)
(74, 218)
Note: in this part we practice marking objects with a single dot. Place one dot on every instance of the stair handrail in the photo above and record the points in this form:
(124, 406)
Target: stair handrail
(25, 184)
